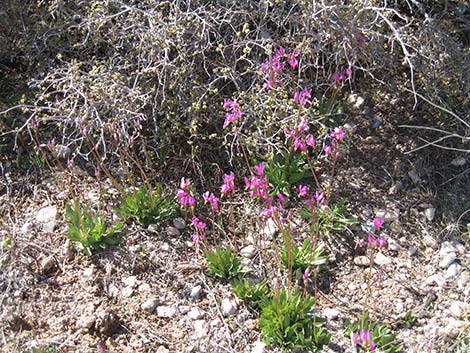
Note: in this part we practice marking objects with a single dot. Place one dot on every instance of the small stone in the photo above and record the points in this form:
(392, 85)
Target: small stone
(26, 228)
(447, 260)
(46, 216)
(166, 311)
(368, 227)
(47, 264)
(330, 313)
(436, 278)
(381, 260)
(412, 250)
(460, 248)
(88, 272)
(258, 347)
(165, 247)
(248, 251)
(162, 349)
(395, 188)
(69, 249)
(429, 214)
(458, 309)
(149, 305)
(414, 176)
(61, 151)
(86, 321)
(393, 245)
(179, 223)
(361, 261)
(130, 281)
(399, 307)
(144, 288)
(352, 287)
(430, 241)
(127, 292)
(200, 329)
(173, 231)
(269, 229)
(388, 215)
(452, 271)
(367, 212)
(195, 314)
(228, 307)
(195, 293)
(153, 228)
(458, 162)
(463, 280)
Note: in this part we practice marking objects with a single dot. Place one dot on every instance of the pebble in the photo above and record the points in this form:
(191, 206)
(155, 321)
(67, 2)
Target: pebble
(458, 309)
(26, 228)
(430, 213)
(388, 215)
(166, 311)
(399, 307)
(452, 271)
(130, 281)
(269, 229)
(47, 216)
(436, 278)
(414, 176)
(460, 248)
(152, 228)
(368, 227)
(61, 151)
(69, 249)
(149, 305)
(393, 245)
(195, 293)
(162, 349)
(258, 347)
(47, 264)
(430, 241)
(361, 261)
(200, 329)
(195, 314)
(330, 313)
(179, 223)
(381, 260)
(248, 251)
(352, 287)
(88, 272)
(395, 188)
(453, 327)
(463, 280)
(228, 307)
(173, 231)
(367, 212)
(446, 248)
(447, 260)
(86, 321)
(412, 250)
(127, 292)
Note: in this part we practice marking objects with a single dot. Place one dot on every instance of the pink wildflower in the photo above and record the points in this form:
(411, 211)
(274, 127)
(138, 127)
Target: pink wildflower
(303, 97)
(378, 223)
(212, 199)
(364, 340)
(229, 183)
(327, 150)
(303, 190)
(292, 59)
(260, 168)
(337, 134)
(310, 141)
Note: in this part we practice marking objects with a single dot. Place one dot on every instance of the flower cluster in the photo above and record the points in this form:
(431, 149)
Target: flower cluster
(229, 184)
(303, 97)
(378, 242)
(258, 183)
(336, 135)
(210, 198)
(233, 112)
(200, 227)
(363, 340)
(301, 139)
(185, 195)
(342, 74)
(275, 65)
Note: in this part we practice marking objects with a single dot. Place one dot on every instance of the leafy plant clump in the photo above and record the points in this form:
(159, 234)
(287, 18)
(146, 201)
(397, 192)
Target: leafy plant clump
(381, 336)
(286, 319)
(253, 294)
(309, 255)
(146, 206)
(89, 230)
(223, 263)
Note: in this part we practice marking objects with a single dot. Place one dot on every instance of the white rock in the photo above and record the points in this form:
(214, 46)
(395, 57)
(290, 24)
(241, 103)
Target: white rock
(460, 248)
(166, 311)
(414, 176)
(381, 260)
(152, 228)
(88, 272)
(165, 247)
(452, 271)
(144, 288)
(361, 261)
(26, 228)
(47, 263)
(463, 280)
(173, 231)
(399, 307)
(393, 244)
(162, 349)
(430, 213)
(258, 347)
(195, 314)
(436, 278)
(248, 251)
(184, 309)
(127, 292)
(61, 151)
(86, 321)
(179, 223)
(388, 215)
(149, 305)
(200, 329)
(330, 313)
(458, 309)
(447, 260)
(458, 162)
(412, 250)
(430, 241)
(195, 293)
(269, 228)
(446, 248)
(130, 281)
(46, 216)
(228, 307)
(368, 227)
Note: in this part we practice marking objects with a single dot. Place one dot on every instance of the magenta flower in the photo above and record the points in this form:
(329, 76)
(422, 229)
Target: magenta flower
(327, 150)
(364, 340)
(381, 243)
(303, 125)
(303, 190)
(184, 184)
(306, 274)
(233, 112)
(292, 59)
(303, 97)
(299, 144)
(310, 141)
(378, 222)
(229, 183)
(348, 72)
(260, 168)
(337, 76)
(198, 224)
(337, 134)
(186, 199)
(209, 197)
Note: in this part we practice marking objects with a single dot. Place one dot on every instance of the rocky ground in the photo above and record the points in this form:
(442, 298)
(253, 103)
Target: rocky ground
(152, 293)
